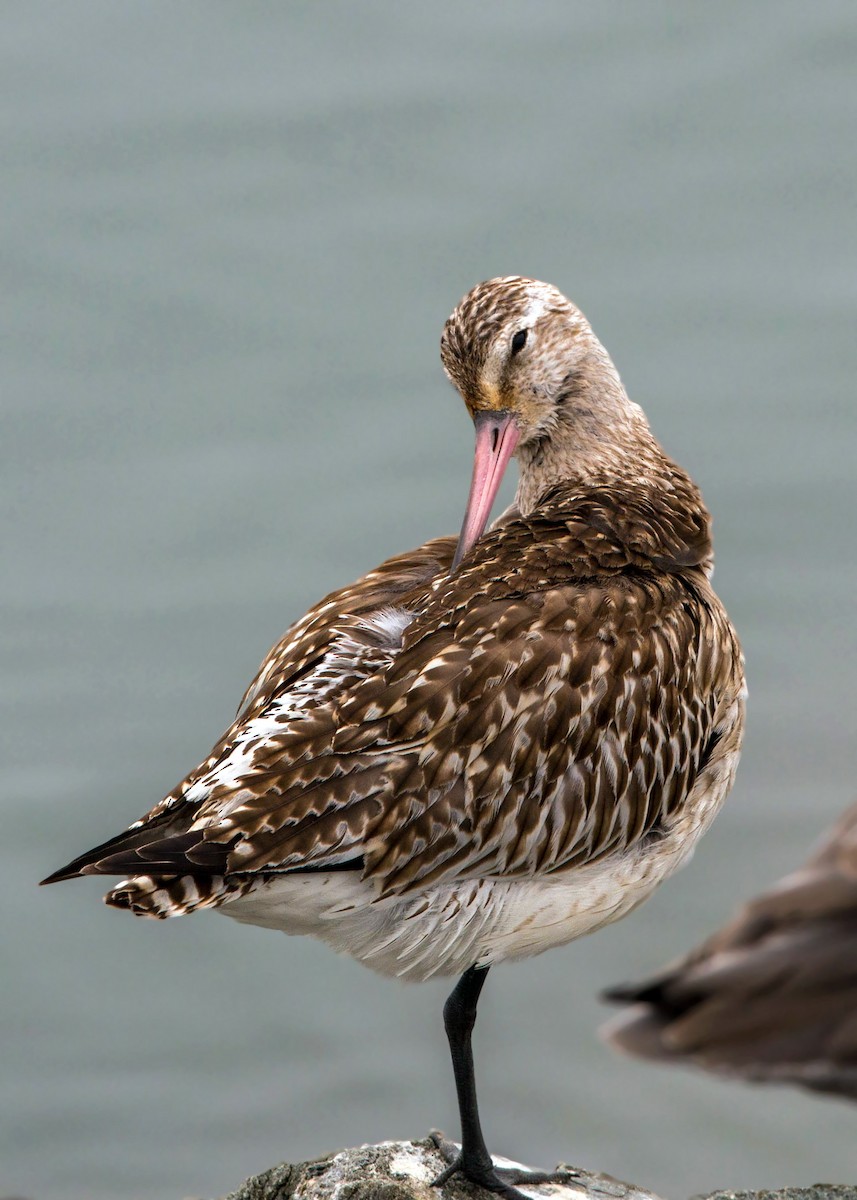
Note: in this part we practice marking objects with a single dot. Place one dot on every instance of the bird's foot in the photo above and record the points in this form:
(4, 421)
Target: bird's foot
(499, 1180)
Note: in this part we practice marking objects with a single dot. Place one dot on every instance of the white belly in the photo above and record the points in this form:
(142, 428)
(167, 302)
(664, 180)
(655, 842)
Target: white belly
(465, 922)
(449, 927)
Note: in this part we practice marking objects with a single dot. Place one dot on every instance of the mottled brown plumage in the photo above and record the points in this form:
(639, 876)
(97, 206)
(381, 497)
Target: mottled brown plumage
(478, 751)
(771, 997)
(576, 655)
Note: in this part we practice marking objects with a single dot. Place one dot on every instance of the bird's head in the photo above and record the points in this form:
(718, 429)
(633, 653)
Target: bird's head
(524, 359)
(513, 346)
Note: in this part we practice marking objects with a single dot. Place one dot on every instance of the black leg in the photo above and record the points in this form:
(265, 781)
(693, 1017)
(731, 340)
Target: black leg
(474, 1162)
(459, 1017)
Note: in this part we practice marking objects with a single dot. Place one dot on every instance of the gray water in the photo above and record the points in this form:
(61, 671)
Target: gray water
(230, 236)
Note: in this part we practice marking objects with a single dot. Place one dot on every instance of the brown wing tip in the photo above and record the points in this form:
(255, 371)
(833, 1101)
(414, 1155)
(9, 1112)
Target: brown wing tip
(92, 862)
(72, 871)
(85, 864)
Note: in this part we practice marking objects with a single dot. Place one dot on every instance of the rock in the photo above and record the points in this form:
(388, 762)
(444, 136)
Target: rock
(818, 1191)
(404, 1171)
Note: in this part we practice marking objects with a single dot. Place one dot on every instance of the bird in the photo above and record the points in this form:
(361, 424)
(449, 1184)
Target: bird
(772, 996)
(487, 746)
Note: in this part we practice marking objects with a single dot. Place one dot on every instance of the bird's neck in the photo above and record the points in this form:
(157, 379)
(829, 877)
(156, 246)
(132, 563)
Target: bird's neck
(601, 451)
(598, 436)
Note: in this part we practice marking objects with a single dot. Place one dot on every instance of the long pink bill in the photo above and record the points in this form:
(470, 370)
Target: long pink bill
(496, 438)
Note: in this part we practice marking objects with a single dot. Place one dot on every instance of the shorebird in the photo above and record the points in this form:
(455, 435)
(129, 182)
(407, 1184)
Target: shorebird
(771, 997)
(483, 748)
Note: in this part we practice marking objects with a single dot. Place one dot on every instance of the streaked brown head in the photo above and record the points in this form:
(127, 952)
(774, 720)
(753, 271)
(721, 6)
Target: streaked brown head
(536, 381)
(512, 344)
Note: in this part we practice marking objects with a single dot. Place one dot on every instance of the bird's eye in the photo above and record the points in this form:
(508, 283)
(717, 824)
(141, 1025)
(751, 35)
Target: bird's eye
(519, 341)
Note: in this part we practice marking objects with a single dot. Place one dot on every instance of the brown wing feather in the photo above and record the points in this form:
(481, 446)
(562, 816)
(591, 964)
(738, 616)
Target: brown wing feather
(562, 685)
(546, 688)
(300, 648)
(309, 638)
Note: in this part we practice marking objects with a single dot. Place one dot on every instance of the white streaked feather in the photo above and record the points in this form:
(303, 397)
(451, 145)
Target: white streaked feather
(348, 656)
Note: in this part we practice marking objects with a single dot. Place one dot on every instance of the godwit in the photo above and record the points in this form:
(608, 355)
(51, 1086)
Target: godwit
(772, 996)
(480, 750)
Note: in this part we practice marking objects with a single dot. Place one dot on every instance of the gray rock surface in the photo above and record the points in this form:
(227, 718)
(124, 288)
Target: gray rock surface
(818, 1191)
(404, 1171)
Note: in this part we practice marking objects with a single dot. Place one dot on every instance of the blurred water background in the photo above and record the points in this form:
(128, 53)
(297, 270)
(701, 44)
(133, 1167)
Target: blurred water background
(230, 236)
